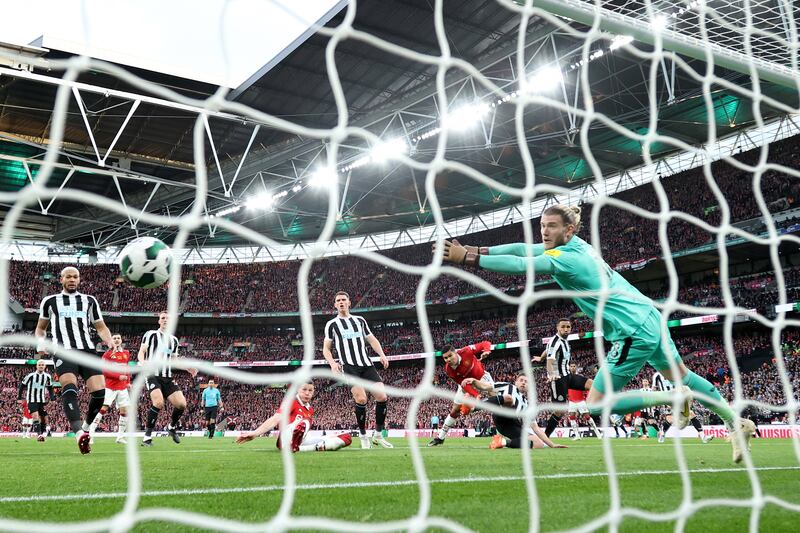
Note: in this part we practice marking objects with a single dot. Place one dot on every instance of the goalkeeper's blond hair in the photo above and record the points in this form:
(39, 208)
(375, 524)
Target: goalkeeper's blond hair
(570, 215)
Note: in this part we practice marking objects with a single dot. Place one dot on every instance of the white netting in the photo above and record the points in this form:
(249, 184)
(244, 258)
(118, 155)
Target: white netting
(723, 27)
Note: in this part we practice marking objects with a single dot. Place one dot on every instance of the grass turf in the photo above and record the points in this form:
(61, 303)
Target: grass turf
(481, 489)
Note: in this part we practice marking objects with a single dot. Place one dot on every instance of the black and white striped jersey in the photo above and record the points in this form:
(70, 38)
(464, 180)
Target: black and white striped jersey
(162, 348)
(502, 388)
(37, 385)
(70, 315)
(349, 335)
(558, 352)
(660, 383)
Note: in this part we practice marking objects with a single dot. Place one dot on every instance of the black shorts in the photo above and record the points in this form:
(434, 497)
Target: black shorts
(165, 385)
(434, 426)
(364, 372)
(559, 387)
(63, 366)
(37, 407)
(210, 413)
(508, 427)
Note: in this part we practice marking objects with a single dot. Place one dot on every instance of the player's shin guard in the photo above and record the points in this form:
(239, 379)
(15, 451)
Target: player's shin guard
(552, 424)
(177, 413)
(152, 416)
(380, 415)
(449, 422)
(361, 417)
(69, 399)
(720, 406)
(96, 400)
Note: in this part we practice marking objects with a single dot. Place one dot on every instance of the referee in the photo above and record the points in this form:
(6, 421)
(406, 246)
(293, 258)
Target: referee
(558, 374)
(69, 315)
(38, 390)
(349, 333)
(212, 402)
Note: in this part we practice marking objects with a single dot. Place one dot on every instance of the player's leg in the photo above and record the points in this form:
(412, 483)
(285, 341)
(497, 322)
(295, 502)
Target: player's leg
(326, 444)
(156, 405)
(69, 396)
(379, 394)
(96, 386)
(584, 412)
(665, 425)
(558, 392)
(34, 424)
(360, 400)
(451, 419)
(123, 400)
(695, 422)
(108, 400)
(572, 413)
(178, 401)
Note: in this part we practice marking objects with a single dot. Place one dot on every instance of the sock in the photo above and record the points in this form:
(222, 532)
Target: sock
(176, 415)
(211, 428)
(449, 422)
(380, 416)
(635, 402)
(152, 416)
(590, 420)
(96, 400)
(574, 424)
(69, 399)
(98, 418)
(361, 418)
(552, 424)
(720, 406)
(123, 425)
(37, 428)
(665, 426)
(697, 425)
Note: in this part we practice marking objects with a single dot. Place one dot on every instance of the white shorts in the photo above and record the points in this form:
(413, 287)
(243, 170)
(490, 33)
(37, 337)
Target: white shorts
(461, 395)
(578, 407)
(638, 421)
(121, 397)
(27, 421)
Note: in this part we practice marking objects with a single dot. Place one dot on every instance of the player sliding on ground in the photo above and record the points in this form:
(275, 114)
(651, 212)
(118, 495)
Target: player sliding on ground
(460, 364)
(631, 321)
(300, 415)
(510, 429)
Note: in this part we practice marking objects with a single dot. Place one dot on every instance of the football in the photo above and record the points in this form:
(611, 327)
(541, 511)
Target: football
(146, 262)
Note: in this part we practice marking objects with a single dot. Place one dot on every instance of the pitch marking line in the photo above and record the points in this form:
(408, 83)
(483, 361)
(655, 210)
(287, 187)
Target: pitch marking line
(370, 484)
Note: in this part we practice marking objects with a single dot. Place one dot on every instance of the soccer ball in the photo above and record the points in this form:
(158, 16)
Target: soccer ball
(146, 262)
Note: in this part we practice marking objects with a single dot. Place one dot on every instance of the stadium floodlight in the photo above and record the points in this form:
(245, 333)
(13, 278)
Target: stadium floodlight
(262, 200)
(387, 150)
(297, 188)
(620, 41)
(545, 79)
(466, 116)
(324, 177)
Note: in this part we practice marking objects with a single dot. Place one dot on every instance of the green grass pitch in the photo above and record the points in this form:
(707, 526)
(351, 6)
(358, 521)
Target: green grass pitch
(480, 489)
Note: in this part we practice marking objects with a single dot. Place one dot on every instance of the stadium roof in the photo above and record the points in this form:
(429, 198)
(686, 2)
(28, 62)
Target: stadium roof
(145, 142)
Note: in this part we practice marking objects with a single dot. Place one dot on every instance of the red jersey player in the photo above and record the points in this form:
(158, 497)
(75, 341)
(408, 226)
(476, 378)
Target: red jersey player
(459, 365)
(577, 406)
(117, 384)
(27, 421)
(300, 416)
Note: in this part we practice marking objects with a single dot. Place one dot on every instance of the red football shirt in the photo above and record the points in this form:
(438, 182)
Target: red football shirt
(113, 380)
(470, 366)
(300, 411)
(576, 395)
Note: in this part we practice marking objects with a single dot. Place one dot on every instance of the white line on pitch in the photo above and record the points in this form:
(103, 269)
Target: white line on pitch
(369, 484)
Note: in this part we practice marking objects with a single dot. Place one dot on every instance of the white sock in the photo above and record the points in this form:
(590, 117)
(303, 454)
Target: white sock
(593, 426)
(85, 427)
(574, 424)
(449, 422)
(93, 425)
(123, 425)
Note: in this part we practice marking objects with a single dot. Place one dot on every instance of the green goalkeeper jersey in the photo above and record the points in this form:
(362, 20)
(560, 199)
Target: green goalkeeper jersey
(575, 266)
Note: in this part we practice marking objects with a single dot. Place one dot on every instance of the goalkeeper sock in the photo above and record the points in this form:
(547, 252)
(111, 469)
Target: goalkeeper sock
(177, 412)
(552, 424)
(449, 422)
(380, 416)
(719, 406)
(152, 416)
(69, 399)
(634, 402)
(361, 418)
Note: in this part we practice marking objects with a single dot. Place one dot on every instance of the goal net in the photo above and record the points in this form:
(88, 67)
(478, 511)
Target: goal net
(716, 78)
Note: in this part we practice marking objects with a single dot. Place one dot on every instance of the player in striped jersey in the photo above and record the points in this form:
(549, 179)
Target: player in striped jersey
(461, 364)
(349, 334)
(664, 414)
(300, 421)
(69, 315)
(37, 389)
(510, 430)
(160, 347)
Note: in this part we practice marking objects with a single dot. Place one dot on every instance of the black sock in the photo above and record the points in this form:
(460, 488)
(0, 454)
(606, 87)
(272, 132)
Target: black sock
(665, 426)
(152, 416)
(96, 399)
(552, 423)
(37, 427)
(696, 424)
(69, 398)
(176, 415)
(380, 415)
(211, 427)
(361, 417)
(516, 442)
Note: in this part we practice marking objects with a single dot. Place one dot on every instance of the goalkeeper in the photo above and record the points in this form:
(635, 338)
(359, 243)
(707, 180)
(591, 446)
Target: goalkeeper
(630, 320)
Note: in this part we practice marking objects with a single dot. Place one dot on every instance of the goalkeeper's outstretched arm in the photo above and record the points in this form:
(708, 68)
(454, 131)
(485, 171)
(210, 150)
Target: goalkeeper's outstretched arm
(514, 261)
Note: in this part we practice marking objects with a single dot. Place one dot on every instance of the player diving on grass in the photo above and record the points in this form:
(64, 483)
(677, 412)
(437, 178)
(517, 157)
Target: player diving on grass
(466, 362)
(300, 420)
(630, 320)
